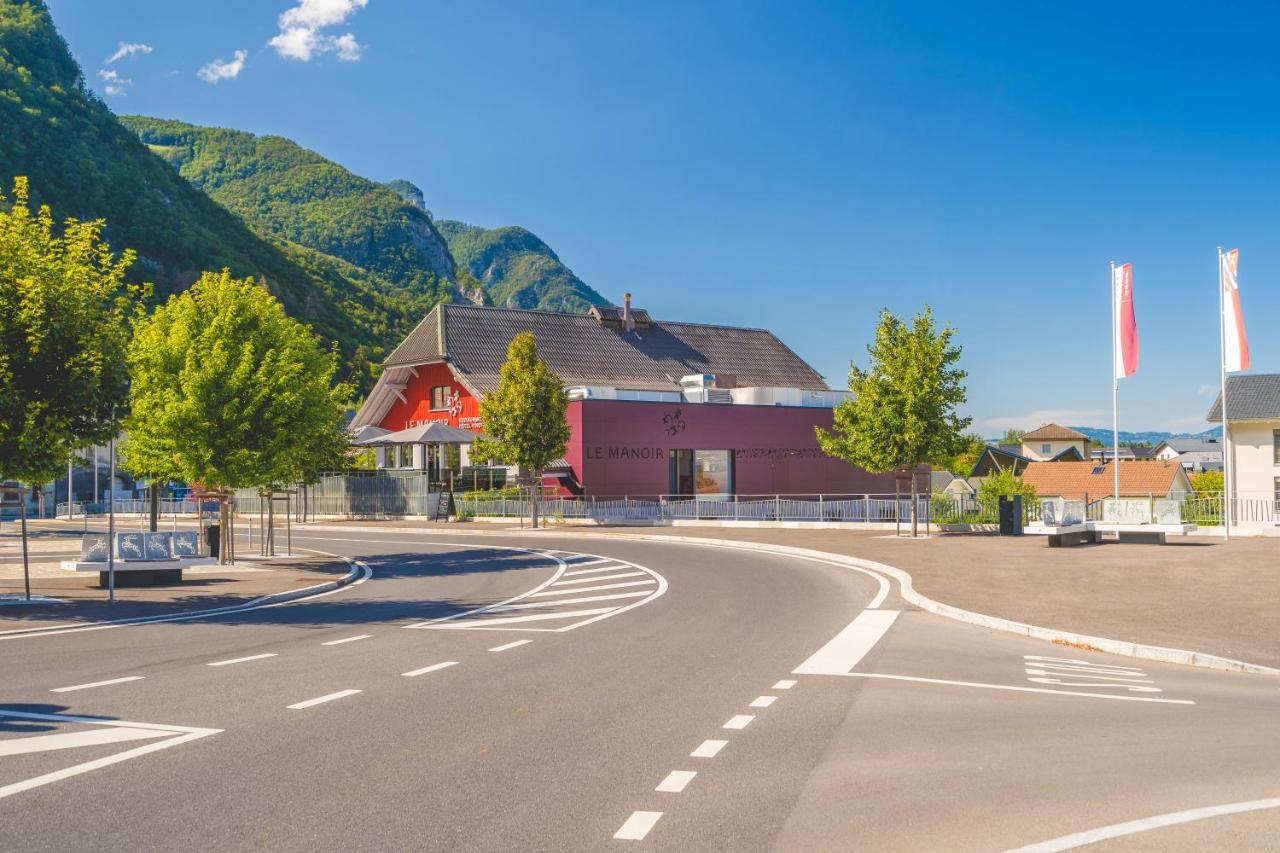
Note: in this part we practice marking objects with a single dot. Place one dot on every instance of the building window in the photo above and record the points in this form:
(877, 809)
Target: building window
(701, 472)
(1045, 449)
(1275, 446)
(440, 398)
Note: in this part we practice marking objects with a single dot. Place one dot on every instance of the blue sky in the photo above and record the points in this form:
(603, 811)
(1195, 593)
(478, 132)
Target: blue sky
(798, 166)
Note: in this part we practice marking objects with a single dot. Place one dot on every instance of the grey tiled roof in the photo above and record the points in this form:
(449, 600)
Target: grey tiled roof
(581, 351)
(1253, 396)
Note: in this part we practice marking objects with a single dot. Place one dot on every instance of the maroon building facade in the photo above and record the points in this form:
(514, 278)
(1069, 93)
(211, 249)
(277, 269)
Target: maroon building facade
(657, 408)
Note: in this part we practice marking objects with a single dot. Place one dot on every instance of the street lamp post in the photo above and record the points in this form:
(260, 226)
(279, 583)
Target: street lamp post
(111, 528)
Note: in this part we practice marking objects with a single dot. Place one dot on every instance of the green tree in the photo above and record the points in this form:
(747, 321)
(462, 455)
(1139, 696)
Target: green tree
(524, 419)
(1208, 483)
(903, 409)
(65, 314)
(1012, 436)
(962, 461)
(229, 392)
(1003, 483)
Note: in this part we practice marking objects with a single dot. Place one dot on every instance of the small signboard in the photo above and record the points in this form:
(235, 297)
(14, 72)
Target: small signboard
(444, 506)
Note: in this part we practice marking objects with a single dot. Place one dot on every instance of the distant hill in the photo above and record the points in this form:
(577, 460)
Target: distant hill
(1102, 435)
(516, 269)
(289, 192)
(84, 163)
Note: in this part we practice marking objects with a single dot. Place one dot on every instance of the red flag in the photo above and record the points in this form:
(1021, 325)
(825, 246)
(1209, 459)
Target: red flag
(1126, 328)
(1235, 344)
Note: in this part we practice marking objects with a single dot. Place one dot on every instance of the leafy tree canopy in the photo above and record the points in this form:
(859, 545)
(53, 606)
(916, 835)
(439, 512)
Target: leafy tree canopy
(229, 392)
(903, 409)
(1208, 482)
(962, 461)
(65, 314)
(1003, 483)
(524, 419)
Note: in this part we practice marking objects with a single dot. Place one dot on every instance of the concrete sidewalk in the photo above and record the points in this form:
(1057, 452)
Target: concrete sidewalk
(1199, 594)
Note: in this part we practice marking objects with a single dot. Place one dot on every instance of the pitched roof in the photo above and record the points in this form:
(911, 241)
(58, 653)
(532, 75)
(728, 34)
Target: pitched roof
(1250, 397)
(1054, 432)
(582, 351)
(1078, 479)
(1193, 445)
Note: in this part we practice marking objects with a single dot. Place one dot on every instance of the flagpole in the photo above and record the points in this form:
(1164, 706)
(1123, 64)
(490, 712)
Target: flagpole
(1226, 449)
(1115, 389)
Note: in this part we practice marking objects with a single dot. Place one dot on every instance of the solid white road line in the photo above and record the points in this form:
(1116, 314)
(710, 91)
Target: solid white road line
(592, 588)
(763, 701)
(845, 650)
(582, 600)
(597, 580)
(738, 721)
(435, 666)
(341, 694)
(512, 620)
(614, 568)
(708, 749)
(347, 640)
(512, 645)
(241, 660)
(97, 684)
(1014, 688)
(1118, 830)
(637, 826)
(676, 781)
(69, 740)
(784, 684)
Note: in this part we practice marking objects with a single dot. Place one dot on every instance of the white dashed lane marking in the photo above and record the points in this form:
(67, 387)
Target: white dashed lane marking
(511, 645)
(242, 660)
(320, 700)
(637, 826)
(676, 781)
(435, 666)
(763, 701)
(784, 684)
(97, 684)
(347, 640)
(738, 721)
(708, 749)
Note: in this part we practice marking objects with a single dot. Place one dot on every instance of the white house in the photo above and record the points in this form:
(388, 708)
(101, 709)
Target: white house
(1051, 441)
(1194, 454)
(1253, 440)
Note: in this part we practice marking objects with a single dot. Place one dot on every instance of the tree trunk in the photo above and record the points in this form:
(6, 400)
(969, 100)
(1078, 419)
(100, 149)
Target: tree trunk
(224, 555)
(154, 506)
(533, 495)
(915, 503)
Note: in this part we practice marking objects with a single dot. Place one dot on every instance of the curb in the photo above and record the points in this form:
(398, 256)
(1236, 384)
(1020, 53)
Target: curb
(270, 600)
(995, 623)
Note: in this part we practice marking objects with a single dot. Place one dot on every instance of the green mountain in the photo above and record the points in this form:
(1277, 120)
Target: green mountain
(516, 269)
(84, 163)
(284, 190)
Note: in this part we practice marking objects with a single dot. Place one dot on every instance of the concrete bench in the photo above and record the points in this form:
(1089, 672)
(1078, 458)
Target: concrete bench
(1090, 532)
(139, 572)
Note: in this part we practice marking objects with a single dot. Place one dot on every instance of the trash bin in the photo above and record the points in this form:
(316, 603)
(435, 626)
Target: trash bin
(213, 540)
(1011, 515)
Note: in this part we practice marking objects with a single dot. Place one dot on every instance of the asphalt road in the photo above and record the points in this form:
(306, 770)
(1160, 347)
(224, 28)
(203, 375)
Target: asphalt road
(407, 712)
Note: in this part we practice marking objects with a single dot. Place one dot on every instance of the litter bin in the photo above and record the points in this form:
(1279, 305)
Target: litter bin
(1011, 515)
(213, 540)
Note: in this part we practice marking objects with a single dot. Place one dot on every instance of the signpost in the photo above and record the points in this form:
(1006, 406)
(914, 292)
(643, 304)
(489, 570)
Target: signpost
(18, 492)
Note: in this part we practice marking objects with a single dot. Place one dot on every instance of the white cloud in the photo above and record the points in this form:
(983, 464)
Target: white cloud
(113, 76)
(114, 90)
(300, 35)
(219, 69)
(125, 50)
(1031, 420)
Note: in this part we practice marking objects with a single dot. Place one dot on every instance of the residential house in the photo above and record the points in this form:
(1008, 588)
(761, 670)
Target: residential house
(1094, 481)
(1253, 437)
(948, 484)
(1127, 454)
(998, 457)
(1194, 454)
(1050, 442)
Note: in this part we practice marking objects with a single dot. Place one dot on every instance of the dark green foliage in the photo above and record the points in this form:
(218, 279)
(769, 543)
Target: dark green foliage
(83, 163)
(290, 193)
(517, 269)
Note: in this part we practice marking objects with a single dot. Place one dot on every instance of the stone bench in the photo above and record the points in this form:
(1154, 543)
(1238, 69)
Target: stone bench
(140, 558)
(1090, 532)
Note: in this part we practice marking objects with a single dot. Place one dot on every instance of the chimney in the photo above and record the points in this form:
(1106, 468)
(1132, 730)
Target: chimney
(627, 323)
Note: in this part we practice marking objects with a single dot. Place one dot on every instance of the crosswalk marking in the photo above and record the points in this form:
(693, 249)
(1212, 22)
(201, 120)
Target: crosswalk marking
(582, 600)
(613, 568)
(600, 579)
(592, 588)
(512, 620)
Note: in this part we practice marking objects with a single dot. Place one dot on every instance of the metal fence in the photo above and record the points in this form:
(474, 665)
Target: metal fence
(856, 508)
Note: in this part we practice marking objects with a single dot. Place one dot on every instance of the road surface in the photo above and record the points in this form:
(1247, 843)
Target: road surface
(554, 691)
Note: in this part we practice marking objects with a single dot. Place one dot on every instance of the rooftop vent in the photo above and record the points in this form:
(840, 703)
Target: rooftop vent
(625, 318)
